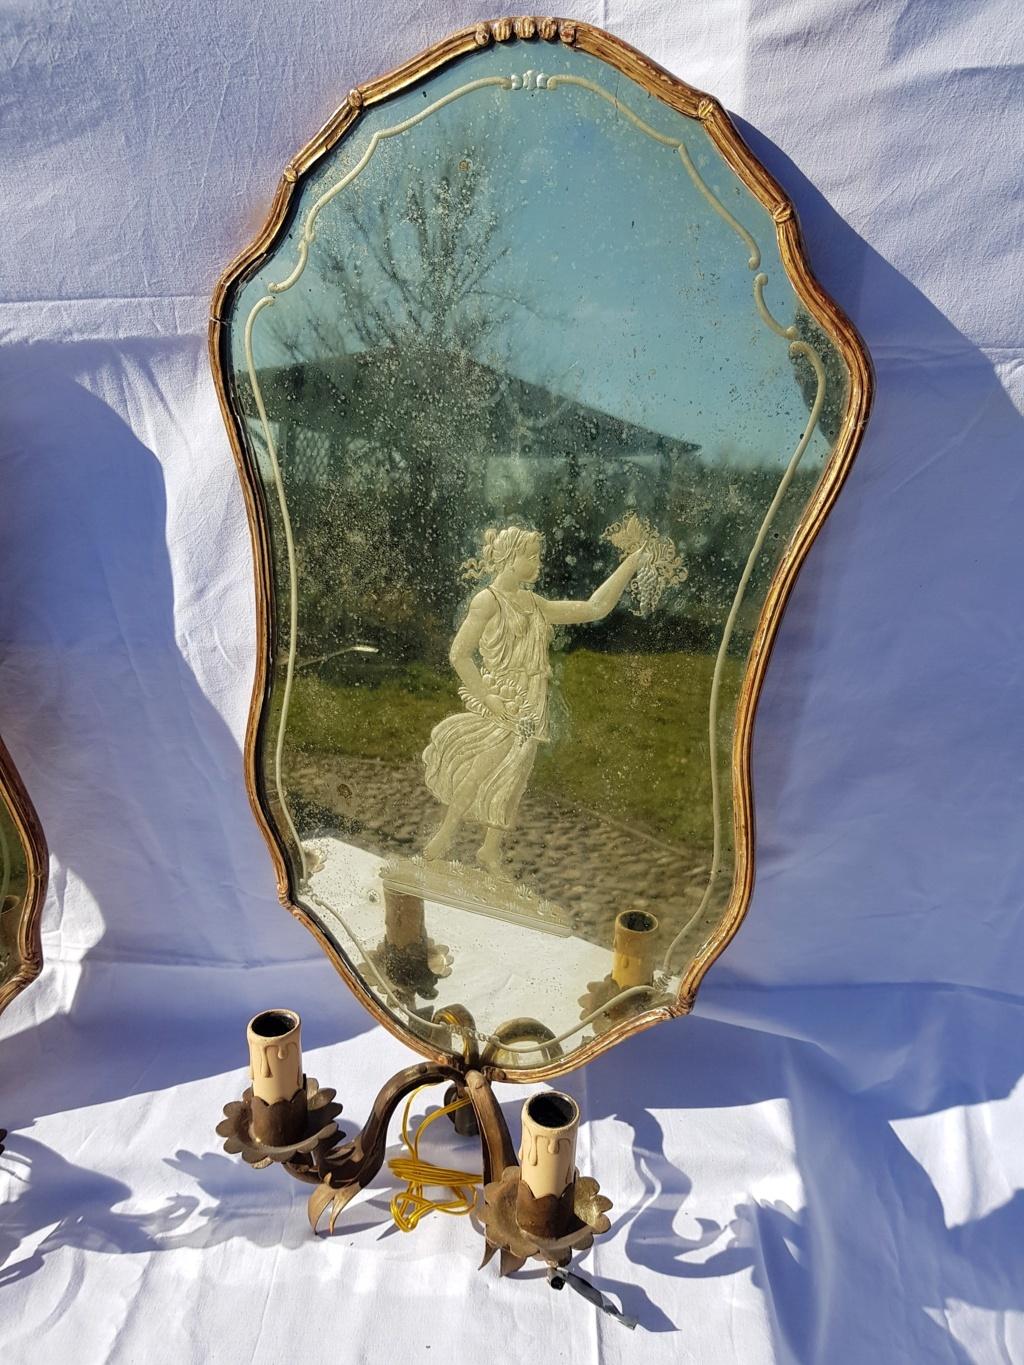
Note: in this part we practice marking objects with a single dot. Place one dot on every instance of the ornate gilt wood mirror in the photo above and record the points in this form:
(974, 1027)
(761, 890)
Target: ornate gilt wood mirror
(538, 409)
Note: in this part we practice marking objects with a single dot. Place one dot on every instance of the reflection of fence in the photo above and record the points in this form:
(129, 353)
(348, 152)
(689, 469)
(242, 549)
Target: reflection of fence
(315, 457)
(515, 474)
(306, 455)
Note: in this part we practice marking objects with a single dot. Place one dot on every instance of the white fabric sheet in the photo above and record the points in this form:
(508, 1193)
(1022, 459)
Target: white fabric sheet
(824, 1164)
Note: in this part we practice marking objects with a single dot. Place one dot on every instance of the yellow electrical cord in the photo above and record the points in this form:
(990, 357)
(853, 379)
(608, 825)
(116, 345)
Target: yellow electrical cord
(411, 1205)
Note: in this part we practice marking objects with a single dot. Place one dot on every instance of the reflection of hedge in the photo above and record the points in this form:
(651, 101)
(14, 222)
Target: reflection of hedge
(836, 376)
(636, 728)
(392, 460)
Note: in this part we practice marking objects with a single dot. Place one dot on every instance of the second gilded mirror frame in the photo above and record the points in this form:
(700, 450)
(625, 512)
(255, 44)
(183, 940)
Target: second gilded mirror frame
(696, 105)
(28, 940)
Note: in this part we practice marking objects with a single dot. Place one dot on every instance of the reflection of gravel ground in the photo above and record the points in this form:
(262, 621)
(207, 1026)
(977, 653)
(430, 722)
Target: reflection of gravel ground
(591, 867)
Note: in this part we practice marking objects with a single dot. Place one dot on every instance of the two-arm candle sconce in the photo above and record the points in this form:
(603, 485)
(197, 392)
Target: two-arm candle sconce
(535, 1207)
(537, 408)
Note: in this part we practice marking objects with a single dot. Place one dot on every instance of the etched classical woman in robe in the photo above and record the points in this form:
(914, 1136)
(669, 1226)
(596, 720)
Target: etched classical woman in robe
(479, 761)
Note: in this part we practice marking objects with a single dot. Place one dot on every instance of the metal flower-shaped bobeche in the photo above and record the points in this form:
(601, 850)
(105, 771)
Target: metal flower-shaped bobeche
(309, 1116)
(285, 1118)
(503, 1232)
(412, 969)
(524, 522)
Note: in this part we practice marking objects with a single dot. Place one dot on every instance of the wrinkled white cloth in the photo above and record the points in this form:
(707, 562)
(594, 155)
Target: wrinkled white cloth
(824, 1164)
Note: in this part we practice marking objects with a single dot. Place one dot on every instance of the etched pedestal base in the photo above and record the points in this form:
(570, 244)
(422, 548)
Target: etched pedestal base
(477, 890)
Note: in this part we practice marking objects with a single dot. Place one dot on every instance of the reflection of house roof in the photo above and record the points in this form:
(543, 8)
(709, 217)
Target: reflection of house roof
(508, 411)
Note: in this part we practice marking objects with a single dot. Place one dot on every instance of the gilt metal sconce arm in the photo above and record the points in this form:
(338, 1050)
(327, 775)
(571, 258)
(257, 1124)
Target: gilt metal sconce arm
(550, 1222)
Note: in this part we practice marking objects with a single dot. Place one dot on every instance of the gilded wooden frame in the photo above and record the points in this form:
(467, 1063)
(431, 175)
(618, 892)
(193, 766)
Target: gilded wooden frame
(695, 104)
(30, 949)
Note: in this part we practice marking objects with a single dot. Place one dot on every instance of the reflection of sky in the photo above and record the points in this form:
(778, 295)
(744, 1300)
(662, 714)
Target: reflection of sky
(631, 294)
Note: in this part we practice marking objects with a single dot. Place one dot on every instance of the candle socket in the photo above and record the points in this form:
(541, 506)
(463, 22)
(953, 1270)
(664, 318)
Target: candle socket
(411, 962)
(633, 949)
(545, 1197)
(278, 1104)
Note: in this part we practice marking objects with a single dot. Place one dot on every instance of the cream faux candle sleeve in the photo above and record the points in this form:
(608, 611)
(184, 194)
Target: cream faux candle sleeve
(275, 1054)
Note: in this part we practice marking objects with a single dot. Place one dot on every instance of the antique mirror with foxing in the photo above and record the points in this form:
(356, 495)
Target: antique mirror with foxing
(538, 409)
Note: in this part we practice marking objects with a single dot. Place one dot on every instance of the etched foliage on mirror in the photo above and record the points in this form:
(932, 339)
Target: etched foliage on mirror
(534, 412)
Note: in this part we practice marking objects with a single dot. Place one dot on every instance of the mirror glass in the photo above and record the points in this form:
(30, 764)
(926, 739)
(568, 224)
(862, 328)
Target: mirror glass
(535, 411)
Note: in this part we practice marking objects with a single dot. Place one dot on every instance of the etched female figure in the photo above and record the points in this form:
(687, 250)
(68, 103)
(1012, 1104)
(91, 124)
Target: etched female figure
(479, 761)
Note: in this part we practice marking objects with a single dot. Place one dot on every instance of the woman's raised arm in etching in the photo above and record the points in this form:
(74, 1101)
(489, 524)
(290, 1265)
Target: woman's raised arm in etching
(600, 602)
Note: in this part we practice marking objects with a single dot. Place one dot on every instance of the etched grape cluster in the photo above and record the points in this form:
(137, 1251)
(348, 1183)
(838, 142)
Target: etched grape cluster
(647, 589)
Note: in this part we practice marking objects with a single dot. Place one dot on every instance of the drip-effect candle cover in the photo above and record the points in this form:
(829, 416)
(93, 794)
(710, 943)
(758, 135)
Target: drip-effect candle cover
(633, 948)
(275, 1055)
(547, 1157)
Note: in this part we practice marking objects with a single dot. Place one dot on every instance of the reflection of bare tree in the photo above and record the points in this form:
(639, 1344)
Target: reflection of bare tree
(403, 420)
(415, 269)
(408, 307)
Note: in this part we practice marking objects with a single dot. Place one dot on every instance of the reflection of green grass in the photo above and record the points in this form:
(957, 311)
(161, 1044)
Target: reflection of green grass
(630, 731)
(390, 718)
(636, 745)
